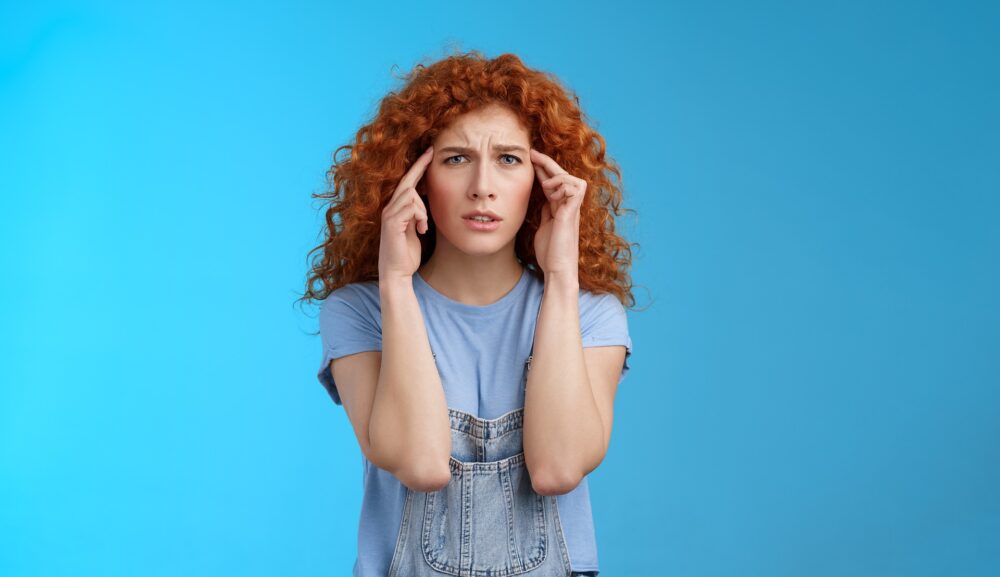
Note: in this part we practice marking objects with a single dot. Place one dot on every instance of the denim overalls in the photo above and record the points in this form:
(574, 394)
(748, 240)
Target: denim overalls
(488, 521)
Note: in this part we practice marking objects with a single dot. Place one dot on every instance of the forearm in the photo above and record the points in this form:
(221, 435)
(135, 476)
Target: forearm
(408, 429)
(563, 431)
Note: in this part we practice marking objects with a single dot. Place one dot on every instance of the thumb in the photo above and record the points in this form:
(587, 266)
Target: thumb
(546, 213)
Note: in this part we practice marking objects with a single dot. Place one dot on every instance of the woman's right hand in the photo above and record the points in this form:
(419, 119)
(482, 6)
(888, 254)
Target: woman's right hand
(402, 218)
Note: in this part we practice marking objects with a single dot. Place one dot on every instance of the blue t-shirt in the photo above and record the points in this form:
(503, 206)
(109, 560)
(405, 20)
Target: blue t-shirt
(481, 353)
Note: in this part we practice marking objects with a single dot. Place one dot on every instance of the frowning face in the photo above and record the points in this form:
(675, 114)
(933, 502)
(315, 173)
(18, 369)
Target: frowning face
(480, 164)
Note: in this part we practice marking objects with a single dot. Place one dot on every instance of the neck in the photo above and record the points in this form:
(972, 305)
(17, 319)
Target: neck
(476, 280)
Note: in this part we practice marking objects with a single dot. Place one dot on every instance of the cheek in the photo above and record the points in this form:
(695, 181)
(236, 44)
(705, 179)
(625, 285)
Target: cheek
(436, 190)
(442, 184)
(441, 208)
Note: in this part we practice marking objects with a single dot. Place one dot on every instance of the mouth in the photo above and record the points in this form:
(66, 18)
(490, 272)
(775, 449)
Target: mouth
(482, 223)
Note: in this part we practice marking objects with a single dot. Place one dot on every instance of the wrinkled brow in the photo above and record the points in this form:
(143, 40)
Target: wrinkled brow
(497, 147)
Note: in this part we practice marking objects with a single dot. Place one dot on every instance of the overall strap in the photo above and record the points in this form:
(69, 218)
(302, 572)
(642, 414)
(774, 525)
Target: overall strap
(531, 353)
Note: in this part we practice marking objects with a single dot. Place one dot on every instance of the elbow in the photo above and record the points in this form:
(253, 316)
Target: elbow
(552, 483)
(421, 472)
(424, 469)
(559, 479)
(425, 476)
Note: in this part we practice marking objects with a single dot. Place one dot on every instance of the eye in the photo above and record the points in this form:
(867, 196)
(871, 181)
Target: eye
(451, 157)
(510, 156)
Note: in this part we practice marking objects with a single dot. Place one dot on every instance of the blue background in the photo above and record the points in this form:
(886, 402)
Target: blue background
(815, 381)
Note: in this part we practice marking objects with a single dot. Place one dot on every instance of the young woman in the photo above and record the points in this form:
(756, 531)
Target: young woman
(472, 321)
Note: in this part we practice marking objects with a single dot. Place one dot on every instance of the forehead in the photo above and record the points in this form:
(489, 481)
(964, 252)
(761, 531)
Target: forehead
(489, 121)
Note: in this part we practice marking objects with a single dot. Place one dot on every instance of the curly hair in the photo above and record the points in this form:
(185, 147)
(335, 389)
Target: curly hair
(408, 121)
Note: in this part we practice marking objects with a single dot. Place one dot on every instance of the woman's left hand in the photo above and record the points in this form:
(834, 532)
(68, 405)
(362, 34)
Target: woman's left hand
(557, 240)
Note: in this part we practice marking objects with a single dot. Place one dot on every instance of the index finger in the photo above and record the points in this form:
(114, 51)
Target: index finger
(412, 176)
(547, 163)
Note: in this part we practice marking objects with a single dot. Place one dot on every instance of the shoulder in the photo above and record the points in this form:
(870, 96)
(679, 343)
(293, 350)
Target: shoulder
(590, 304)
(351, 304)
(360, 295)
(599, 303)
(603, 322)
(602, 318)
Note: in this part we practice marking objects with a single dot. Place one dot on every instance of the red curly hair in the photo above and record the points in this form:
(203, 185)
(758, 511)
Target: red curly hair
(407, 123)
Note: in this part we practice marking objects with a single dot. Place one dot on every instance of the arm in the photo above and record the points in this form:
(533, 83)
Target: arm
(566, 432)
(409, 430)
(569, 394)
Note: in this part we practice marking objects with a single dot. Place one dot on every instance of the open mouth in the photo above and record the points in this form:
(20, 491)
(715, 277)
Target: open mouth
(481, 223)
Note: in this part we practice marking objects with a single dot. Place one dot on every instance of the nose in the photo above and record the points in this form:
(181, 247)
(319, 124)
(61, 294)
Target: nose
(482, 182)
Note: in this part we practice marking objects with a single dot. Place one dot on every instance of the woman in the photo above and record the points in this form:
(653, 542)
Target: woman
(470, 238)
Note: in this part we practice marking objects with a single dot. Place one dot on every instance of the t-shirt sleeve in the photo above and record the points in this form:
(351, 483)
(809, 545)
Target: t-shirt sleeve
(348, 324)
(603, 323)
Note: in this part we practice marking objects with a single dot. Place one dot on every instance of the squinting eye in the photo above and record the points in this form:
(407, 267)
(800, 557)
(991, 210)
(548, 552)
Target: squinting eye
(451, 157)
(511, 156)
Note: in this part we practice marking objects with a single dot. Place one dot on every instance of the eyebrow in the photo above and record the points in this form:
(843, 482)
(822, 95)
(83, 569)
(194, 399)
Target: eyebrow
(498, 147)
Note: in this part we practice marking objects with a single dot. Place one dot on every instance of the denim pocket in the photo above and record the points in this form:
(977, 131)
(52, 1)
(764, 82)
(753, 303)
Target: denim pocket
(488, 513)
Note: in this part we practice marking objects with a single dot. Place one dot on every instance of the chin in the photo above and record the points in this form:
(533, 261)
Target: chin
(481, 248)
(484, 245)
